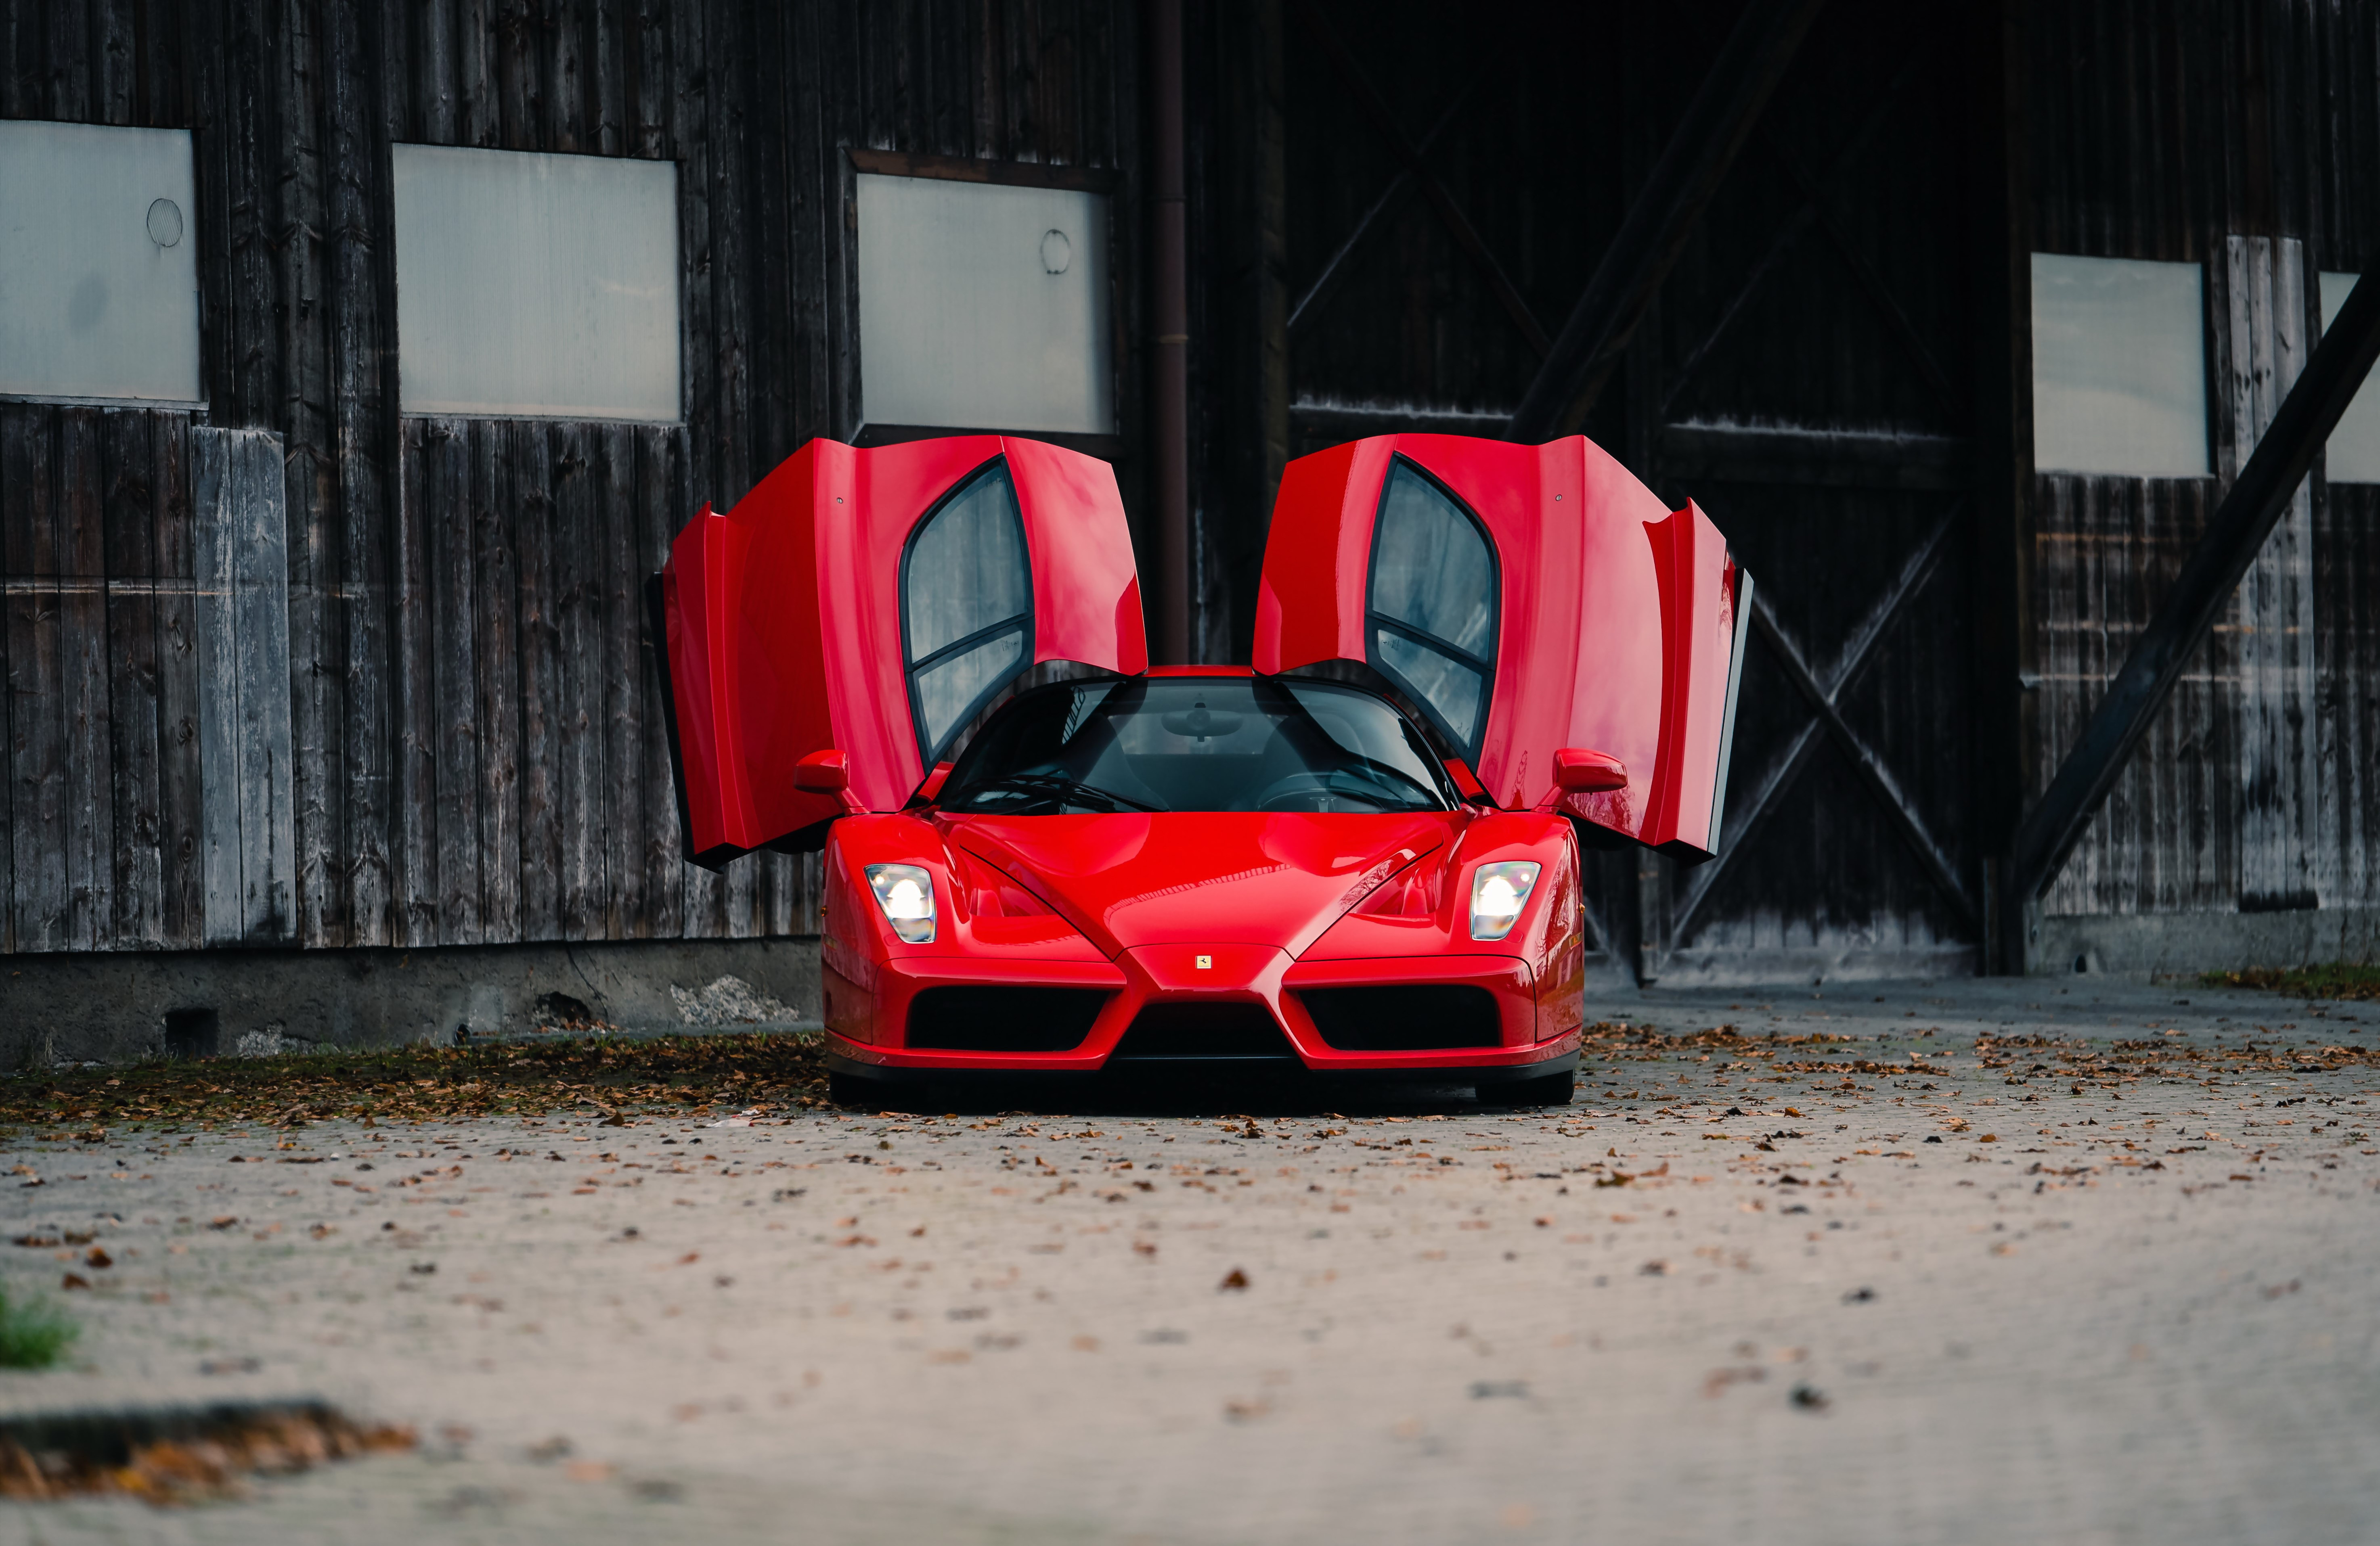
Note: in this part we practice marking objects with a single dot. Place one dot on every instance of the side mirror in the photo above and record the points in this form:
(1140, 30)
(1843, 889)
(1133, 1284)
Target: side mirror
(824, 772)
(1580, 771)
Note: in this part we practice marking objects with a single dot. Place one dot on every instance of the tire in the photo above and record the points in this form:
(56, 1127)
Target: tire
(1554, 1089)
(850, 1090)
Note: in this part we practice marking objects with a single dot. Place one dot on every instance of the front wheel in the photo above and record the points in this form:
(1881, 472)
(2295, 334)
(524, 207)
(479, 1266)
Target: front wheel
(845, 1088)
(1554, 1089)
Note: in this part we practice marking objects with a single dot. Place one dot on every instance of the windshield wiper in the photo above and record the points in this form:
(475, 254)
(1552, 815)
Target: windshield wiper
(1065, 788)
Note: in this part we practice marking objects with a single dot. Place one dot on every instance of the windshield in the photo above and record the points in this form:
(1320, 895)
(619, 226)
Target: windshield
(1197, 743)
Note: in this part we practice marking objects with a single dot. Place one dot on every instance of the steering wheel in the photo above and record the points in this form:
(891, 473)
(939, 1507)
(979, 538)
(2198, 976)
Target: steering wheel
(1311, 788)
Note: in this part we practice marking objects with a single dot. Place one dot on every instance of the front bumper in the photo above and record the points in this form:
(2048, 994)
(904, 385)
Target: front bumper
(867, 1033)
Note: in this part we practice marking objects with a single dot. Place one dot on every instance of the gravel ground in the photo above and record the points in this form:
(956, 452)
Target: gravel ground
(1901, 1263)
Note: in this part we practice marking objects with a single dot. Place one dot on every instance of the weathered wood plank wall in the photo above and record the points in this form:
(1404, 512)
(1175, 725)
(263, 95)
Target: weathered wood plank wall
(475, 755)
(475, 751)
(2242, 135)
(1821, 372)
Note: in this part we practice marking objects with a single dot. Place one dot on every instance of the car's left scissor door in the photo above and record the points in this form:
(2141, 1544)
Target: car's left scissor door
(871, 602)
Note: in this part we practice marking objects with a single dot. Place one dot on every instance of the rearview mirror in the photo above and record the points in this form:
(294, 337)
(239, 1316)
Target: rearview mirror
(824, 772)
(1580, 771)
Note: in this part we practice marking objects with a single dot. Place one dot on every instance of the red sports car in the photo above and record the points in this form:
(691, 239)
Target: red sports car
(1360, 857)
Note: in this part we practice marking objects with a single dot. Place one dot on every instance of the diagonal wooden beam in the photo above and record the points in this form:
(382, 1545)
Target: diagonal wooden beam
(1870, 767)
(1871, 283)
(1789, 231)
(1309, 305)
(1746, 825)
(1849, 662)
(1675, 193)
(1457, 223)
(2232, 539)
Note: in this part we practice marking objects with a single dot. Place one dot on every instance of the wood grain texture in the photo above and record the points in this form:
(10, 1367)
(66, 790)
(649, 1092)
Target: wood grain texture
(85, 719)
(416, 696)
(361, 279)
(181, 798)
(248, 790)
(135, 767)
(37, 772)
(534, 476)
(447, 629)
(496, 668)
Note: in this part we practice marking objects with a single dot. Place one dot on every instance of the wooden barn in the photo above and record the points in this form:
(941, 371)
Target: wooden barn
(358, 359)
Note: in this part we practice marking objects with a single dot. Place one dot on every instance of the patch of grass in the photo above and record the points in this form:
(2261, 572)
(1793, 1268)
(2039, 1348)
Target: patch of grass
(33, 1333)
(611, 1077)
(2338, 979)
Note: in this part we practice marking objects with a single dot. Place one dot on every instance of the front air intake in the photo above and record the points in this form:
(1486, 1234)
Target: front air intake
(1242, 1033)
(1409, 1017)
(1003, 1019)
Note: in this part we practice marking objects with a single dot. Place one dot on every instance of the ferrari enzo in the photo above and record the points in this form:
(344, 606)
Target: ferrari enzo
(1358, 857)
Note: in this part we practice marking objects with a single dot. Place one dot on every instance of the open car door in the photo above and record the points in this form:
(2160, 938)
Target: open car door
(872, 602)
(1527, 599)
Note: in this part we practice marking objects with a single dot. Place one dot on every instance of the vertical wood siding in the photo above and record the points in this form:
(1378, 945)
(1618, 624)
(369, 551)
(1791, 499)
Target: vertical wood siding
(2243, 135)
(477, 752)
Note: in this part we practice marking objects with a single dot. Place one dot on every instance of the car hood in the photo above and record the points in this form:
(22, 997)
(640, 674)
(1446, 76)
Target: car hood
(1274, 879)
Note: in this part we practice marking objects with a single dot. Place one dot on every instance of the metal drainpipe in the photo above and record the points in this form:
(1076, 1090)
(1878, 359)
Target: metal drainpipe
(1170, 362)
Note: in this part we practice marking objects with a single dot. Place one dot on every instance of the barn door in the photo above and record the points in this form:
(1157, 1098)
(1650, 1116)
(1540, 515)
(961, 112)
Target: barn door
(872, 602)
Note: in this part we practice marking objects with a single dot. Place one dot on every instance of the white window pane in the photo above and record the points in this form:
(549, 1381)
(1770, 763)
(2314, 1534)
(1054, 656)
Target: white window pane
(2118, 367)
(1451, 688)
(967, 569)
(99, 269)
(1431, 570)
(2354, 451)
(536, 286)
(955, 687)
(983, 307)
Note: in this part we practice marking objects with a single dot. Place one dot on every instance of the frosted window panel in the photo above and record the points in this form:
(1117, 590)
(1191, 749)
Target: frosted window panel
(967, 569)
(983, 307)
(99, 267)
(2118, 367)
(2354, 451)
(1432, 571)
(536, 286)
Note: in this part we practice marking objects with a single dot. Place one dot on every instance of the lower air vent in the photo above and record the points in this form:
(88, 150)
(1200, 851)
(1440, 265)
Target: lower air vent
(1409, 1017)
(1185, 1032)
(1003, 1019)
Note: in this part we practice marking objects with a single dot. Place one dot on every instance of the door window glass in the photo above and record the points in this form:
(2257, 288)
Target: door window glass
(1434, 603)
(966, 605)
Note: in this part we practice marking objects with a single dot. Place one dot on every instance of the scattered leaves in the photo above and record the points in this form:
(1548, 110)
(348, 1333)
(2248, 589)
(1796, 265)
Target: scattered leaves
(687, 1074)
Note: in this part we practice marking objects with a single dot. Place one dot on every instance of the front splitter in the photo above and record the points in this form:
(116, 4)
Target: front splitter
(1206, 1070)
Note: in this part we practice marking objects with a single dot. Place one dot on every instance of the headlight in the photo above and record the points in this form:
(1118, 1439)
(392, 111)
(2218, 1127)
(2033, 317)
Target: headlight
(906, 892)
(1498, 894)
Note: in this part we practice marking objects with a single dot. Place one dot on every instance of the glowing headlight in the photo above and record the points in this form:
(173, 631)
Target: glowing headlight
(906, 892)
(1498, 894)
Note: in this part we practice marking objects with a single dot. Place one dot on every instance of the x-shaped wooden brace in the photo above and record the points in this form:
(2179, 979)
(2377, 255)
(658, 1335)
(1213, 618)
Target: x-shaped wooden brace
(1409, 156)
(1744, 822)
(1814, 210)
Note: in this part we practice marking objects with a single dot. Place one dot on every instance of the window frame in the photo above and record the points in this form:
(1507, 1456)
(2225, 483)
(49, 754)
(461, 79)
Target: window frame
(912, 667)
(2210, 323)
(684, 337)
(192, 211)
(1375, 619)
(1107, 182)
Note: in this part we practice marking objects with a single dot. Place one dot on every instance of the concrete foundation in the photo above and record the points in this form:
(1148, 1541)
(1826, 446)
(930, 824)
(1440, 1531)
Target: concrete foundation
(2160, 944)
(115, 1006)
(119, 1006)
